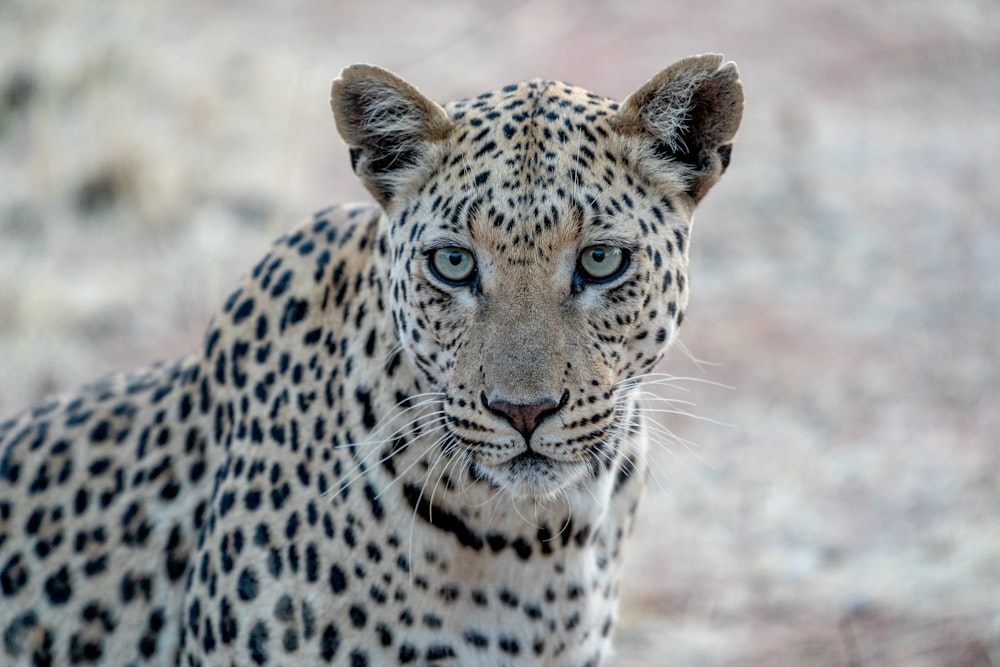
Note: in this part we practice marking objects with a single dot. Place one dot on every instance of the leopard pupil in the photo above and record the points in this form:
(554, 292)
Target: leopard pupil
(455, 258)
(598, 255)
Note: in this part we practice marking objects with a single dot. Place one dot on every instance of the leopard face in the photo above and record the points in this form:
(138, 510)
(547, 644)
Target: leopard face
(539, 255)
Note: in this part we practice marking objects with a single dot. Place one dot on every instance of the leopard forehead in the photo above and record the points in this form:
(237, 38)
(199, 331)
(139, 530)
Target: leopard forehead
(543, 117)
(534, 168)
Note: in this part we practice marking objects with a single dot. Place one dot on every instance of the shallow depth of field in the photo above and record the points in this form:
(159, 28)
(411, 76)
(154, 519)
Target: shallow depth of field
(832, 494)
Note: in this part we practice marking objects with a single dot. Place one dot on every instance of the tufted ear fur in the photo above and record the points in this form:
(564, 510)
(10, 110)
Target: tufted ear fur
(689, 112)
(390, 127)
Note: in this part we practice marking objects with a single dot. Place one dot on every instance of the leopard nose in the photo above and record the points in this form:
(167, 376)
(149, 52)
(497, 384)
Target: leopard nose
(525, 417)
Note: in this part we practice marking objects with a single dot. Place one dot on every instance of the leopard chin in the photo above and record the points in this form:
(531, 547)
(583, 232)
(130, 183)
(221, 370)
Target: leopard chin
(532, 475)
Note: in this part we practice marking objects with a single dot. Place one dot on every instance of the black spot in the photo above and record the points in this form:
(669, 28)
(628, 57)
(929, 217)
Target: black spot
(441, 518)
(284, 609)
(261, 536)
(208, 640)
(308, 621)
(14, 634)
(312, 337)
(228, 627)
(295, 312)
(252, 500)
(338, 582)
(34, 522)
(14, 576)
(521, 548)
(312, 563)
(99, 432)
(496, 541)
(448, 593)
(257, 643)
(358, 616)
(679, 237)
(329, 643)
(244, 311)
(170, 490)
(486, 148)
(384, 634)
(508, 597)
(509, 645)
(58, 588)
(403, 563)
(475, 638)
(292, 525)
(247, 587)
(93, 612)
(226, 503)
(81, 651)
(365, 399)
(372, 496)
(95, 566)
(274, 563)
(439, 652)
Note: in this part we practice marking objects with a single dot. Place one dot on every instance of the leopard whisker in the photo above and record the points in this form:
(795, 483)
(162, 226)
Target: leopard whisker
(441, 439)
(359, 470)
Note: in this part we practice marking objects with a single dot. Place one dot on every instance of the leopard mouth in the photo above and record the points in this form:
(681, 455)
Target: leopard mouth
(530, 474)
(529, 458)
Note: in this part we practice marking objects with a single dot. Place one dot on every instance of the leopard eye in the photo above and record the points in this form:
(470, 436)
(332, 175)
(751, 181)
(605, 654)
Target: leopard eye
(453, 265)
(601, 263)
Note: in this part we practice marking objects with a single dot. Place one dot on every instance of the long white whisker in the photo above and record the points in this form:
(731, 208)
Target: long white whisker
(410, 467)
(359, 469)
(700, 363)
(375, 434)
(438, 456)
(690, 415)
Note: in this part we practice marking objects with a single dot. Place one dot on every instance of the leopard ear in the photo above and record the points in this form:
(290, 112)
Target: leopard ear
(688, 114)
(391, 128)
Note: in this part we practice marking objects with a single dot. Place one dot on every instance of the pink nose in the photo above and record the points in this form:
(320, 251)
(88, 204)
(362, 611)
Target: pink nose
(524, 417)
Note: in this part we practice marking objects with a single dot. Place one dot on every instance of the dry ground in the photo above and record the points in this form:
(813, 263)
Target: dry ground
(838, 505)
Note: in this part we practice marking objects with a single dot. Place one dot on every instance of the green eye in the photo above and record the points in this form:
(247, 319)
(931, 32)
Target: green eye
(453, 265)
(601, 263)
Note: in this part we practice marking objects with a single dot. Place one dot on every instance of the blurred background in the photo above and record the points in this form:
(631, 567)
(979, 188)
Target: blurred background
(832, 496)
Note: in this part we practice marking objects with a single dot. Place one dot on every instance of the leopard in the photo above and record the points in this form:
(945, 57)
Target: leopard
(412, 435)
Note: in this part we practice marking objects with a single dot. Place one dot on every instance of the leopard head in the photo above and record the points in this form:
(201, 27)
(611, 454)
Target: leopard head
(538, 237)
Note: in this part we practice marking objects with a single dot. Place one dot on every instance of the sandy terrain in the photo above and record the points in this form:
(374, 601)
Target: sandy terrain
(835, 500)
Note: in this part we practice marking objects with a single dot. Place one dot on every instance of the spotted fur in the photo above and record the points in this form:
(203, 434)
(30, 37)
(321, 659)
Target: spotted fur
(411, 434)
